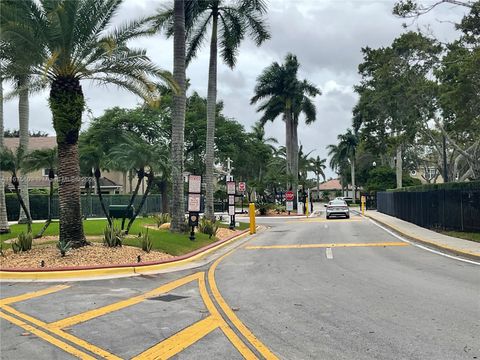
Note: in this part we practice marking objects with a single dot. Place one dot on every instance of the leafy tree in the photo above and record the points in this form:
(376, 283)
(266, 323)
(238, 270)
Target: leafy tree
(74, 42)
(38, 160)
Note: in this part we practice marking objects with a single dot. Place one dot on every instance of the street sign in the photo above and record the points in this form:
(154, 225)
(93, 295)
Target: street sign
(289, 205)
(289, 196)
(194, 184)
(231, 210)
(241, 186)
(194, 202)
(231, 187)
(231, 199)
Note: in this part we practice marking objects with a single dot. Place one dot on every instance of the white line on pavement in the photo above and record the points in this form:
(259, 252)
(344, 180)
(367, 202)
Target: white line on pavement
(329, 253)
(424, 247)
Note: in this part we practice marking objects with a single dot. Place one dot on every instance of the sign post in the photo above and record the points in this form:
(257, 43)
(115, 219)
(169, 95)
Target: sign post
(194, 202)
(231, 191)
(241, 188)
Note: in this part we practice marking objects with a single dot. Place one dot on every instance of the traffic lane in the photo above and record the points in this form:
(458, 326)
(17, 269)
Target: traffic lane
(388, 303)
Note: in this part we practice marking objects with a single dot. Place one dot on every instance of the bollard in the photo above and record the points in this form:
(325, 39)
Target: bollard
(307, 205)
(251, 211)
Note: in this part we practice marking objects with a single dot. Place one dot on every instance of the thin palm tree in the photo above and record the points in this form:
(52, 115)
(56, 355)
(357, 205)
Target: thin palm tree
(338, 163)
(43, 159)
(75, 43)
(12, 162)
(282, 94)
(229, 24)
(348, 144)
(4, 228)
(318, 166)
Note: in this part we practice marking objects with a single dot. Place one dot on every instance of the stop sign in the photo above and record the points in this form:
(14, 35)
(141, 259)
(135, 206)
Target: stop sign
(289, 196)
(241, 186)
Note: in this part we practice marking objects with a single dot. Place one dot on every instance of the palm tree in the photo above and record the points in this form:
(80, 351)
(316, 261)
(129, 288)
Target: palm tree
(283, 94)
(43, 159)
(318, 166)
(72, 38)
(338, 163)
(13, 163)
(229, 24)
(4, 228)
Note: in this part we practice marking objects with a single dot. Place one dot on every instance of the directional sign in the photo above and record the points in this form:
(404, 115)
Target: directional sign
(194, 184)
(241, 186)
(194, 202)
(289, 196)
(231, 188)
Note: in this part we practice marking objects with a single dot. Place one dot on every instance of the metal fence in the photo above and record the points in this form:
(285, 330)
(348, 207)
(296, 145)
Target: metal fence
(90, 207)
(445, 209)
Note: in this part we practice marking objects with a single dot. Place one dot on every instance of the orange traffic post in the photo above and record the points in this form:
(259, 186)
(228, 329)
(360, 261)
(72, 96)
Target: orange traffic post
(251, 212)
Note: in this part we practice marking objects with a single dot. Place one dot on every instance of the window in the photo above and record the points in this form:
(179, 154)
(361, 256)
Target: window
(45, 172)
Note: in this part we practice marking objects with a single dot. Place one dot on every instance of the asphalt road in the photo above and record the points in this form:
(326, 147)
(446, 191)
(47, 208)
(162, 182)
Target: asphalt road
(311, 289)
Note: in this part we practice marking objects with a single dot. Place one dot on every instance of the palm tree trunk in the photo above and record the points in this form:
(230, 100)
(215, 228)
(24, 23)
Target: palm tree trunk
(15, 184)
(288, 142)
(71, 227)
(353, 179)
(4, 228)
(140, 177)
(23, 117)
(399, 166)
(211, 104)
(178, 117)
(295, 152)
(124, 179)
(142, 202)
(318, 187)
(49, 217)
(100, 196)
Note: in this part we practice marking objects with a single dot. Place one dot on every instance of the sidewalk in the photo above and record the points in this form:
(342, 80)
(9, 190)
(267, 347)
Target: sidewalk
(452, 245)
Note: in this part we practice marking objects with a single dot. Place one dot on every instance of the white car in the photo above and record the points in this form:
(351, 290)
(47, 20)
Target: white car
(337, 208)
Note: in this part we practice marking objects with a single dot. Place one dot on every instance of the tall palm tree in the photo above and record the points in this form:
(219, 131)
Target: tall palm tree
(13, 163)
(229, 24)
(75, 42)
(43, 159)
(338, 163)
(283, 94)
(318, 166)
(4, 228)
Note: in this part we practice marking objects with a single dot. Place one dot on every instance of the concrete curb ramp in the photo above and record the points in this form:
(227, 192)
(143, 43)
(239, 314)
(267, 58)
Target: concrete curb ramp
(124, 270)
(447, 248)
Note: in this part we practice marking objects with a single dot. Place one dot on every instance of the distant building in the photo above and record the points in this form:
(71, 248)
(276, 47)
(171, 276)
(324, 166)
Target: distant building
(331, 188)
(111, 182)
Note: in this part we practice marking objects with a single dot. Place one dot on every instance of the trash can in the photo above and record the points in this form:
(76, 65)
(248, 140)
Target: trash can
(121, 211)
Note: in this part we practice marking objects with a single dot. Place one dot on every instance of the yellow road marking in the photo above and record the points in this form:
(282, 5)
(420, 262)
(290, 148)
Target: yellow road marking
(229, 333)
(180, 341)
(31, 295)
(91, 314)
(309, 246)
(60, 344)
(324, 220)
(86, 345)
(262, 349)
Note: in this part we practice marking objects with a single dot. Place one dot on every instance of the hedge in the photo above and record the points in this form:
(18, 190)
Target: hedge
(470, 185)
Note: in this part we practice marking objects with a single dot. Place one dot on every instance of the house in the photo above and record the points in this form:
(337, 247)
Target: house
(111, 182)
(332, 188)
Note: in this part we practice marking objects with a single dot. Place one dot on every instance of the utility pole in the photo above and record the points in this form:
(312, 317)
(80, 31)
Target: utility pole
(445, 170)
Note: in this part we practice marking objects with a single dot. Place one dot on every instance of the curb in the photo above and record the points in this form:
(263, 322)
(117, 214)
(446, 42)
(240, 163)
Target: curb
(428, 243)
(123, 270)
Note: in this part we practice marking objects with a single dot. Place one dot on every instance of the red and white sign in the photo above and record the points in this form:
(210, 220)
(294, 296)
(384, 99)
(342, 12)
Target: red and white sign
(289, 196)
(289, 206)
(241, 186)
(194, 184)
(231, 187)
(194, 202)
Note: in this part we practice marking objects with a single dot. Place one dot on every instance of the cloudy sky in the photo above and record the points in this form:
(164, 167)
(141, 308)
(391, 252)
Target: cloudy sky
(326, 35)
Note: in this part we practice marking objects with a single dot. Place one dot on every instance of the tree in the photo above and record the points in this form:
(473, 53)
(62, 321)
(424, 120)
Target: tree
(348, 145)
(318, 166)
(229, 25)
(13, 163)
(339, 163)
(4, 228)
(38, 160)
(413, 9)
(74, 42)
(283, 94)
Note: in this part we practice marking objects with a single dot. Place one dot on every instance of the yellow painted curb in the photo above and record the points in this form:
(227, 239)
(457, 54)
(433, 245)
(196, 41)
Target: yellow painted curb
(108, 272)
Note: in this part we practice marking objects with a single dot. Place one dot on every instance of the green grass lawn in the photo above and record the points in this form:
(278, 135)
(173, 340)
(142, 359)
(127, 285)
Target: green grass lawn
(163, 240)
(472, 236)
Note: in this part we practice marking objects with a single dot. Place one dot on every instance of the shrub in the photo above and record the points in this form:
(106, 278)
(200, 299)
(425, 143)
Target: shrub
(208, 227)
(23, 242)
(279, 208)
(113, 236)
(263, 207)
(145, 241)
(161, 219)
(64, 247)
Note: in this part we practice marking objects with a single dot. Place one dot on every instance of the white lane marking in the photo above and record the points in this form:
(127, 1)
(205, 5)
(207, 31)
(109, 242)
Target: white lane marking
(329, 253)
(423, 247)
